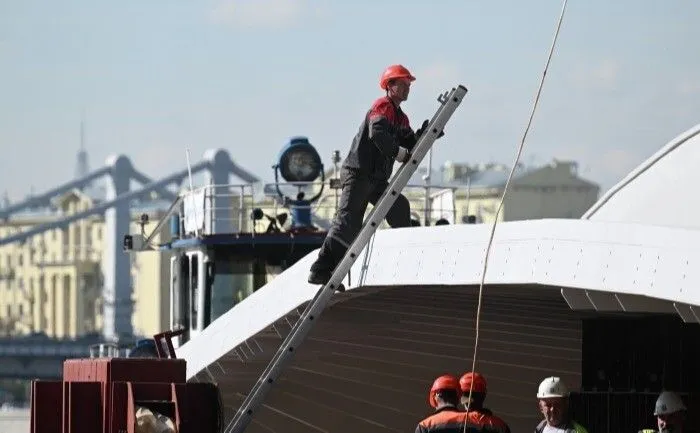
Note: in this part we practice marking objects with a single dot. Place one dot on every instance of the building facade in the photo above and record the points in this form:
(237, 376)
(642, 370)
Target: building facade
(52, 282)
(553, 190)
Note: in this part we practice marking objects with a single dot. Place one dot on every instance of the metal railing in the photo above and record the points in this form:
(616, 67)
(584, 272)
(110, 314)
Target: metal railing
(35, 349)
(40, 349)
(213, 209)
(104, 350)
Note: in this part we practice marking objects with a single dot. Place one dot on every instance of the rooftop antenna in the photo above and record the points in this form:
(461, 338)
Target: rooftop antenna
(189, 175)
(82, 168)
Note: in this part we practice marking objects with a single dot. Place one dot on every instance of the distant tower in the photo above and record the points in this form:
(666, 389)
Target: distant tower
(82, 168)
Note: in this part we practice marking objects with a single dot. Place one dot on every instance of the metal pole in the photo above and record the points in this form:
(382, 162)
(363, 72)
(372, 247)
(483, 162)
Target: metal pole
(241, 198)
(336, 161)
(469, 190)
(427, 179)
(189, 176)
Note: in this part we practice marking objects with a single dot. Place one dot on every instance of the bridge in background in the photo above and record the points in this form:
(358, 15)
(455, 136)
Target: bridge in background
(41, 357)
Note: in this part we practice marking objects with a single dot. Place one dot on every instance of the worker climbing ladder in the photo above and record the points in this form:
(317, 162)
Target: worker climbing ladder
(448, 104)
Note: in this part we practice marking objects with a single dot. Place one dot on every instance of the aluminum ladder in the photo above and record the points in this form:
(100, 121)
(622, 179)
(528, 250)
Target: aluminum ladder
(449, 101)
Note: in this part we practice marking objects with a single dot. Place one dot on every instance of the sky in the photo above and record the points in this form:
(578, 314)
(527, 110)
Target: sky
(153, 78)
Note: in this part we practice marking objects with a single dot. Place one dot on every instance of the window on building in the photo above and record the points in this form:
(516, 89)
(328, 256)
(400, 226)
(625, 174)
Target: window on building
(42, 289)
(77, 239)
(65, 233)
(68, 312)
(88, 289)
(54, 294)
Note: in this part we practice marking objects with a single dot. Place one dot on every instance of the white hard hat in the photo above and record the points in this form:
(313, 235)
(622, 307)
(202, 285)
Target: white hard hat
(552, 387)
(668, 403)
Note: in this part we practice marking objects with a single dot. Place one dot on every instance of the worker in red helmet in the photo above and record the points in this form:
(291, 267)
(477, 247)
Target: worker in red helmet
(444, 397)
(384, 136)
(479, 416)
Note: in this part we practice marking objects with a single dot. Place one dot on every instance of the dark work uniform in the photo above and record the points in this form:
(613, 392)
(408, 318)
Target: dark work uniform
(364, 177)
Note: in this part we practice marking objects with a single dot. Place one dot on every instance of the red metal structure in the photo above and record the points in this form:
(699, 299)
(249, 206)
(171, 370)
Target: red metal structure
(102, 395)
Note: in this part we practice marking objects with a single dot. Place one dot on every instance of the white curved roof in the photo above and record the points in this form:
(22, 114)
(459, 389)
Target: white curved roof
(604, 266)
(660, 191)
(408, 316)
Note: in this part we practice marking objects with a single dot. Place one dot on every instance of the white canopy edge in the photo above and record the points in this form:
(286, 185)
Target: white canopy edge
(663, 175)
(597, 266)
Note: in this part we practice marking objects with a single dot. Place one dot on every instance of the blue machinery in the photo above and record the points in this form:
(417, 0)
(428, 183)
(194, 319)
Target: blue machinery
(219, 254)
(300, 165)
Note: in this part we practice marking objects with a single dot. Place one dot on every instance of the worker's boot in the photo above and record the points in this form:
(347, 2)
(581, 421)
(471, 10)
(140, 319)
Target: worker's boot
(329, 256)
(323, 267)
(320, 273)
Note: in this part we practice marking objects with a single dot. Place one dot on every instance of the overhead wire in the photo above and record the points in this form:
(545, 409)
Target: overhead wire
(500, 204)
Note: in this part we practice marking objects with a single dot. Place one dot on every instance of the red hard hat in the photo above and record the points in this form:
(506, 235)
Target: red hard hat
(393, 72)
(479, 381)
(442, 383)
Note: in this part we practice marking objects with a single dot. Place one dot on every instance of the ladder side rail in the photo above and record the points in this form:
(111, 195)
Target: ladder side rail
(314, 309)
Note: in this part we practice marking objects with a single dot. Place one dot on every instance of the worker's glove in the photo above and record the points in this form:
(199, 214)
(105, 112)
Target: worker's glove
(402, 155)
(406, 138)
(422, 128)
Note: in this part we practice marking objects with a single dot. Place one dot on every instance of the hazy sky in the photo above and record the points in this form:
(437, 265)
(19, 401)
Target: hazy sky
(155, 77)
